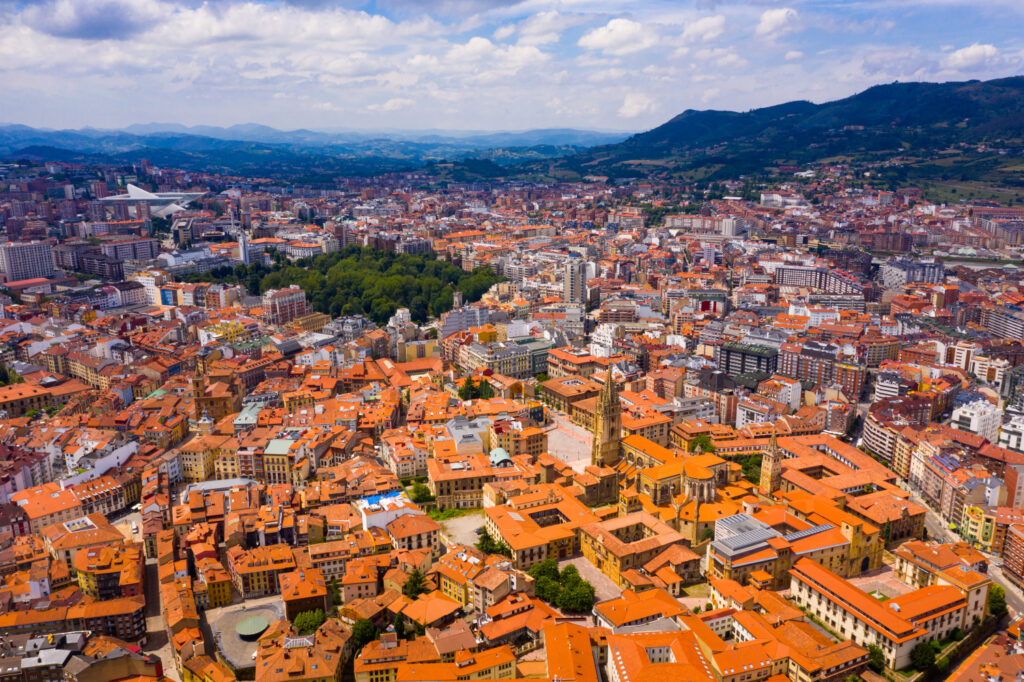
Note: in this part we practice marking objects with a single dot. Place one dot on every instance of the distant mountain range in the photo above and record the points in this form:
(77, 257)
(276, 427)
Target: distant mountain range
(254, 149)
(931, 127)
(918, 118)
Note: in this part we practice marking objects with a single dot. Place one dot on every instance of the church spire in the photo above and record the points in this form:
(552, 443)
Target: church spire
(771, 467)
(607, 424)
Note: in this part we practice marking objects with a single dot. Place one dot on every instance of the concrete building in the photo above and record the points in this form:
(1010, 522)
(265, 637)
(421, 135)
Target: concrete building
(980, 417)
(26, 260)
(575, 282)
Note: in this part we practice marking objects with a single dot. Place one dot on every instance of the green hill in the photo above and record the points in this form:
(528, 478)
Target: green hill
(916, 119)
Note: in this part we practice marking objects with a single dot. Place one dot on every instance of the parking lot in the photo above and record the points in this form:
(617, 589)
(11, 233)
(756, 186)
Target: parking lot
(463, 529)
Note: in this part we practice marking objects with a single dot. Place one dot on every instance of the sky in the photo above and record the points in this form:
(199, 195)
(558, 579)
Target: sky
(475, 64)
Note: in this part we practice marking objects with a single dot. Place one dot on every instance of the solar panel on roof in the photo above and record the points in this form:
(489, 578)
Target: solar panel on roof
(807, 532)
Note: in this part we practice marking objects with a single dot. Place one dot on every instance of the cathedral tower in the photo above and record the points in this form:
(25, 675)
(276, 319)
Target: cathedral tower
(607, 425)
(771, 467)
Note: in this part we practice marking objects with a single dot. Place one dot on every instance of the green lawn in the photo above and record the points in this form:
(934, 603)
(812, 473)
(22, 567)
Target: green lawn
(698, 590)
(445, 515)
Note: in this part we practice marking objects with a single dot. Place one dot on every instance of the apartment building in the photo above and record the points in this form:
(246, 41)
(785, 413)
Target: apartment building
(26, 260)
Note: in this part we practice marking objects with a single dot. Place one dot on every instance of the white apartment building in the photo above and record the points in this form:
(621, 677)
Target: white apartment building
(980, 417)
(26, 260)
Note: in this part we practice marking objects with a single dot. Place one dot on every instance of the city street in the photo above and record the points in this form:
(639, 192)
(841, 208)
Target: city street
(156, 631)
(939, 531)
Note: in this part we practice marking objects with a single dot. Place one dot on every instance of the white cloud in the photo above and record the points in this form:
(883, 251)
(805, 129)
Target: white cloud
(972, 57)
(545, 27)
(393, 104)
(506, 31)
(704, 29)
(776, 22)
(723, 57)
(619, 37)
(634, 104)
(494, 63)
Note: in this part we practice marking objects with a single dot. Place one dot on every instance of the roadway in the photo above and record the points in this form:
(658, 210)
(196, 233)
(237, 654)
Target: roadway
(939, 530)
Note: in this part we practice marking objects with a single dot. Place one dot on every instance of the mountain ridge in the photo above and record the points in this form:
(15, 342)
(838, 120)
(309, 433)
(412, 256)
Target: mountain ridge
(887, 117)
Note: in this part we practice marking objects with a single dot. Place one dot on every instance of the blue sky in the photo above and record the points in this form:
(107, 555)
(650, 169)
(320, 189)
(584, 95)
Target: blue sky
(475, 64)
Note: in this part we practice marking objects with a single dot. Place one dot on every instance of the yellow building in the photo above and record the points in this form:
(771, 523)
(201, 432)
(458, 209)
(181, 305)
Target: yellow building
(456, 572)
(17, 399)
(625, 543)
(197, 457)
(217, 581)
(110, 571)
(205, 669)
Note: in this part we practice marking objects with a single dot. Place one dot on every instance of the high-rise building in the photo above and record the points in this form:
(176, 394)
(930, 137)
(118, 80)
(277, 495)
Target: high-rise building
(243, 247)
(607, 425)
(26, 260)
(575, 281)
(284, 305)
(899, 271)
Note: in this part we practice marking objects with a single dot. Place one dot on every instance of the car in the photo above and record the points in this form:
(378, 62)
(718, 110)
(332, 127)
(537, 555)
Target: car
(135, 527)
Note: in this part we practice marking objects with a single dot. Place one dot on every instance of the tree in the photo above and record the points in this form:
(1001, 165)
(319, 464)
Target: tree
(704, 442)
(707, 534)
(997, 601)
(488, 545)
(308, 622)
(922, 657)
(877, 660)
(484, 390)
(363, 632)
(545, 569)
(420, 493)
(32, 414)
(547, 589)
(577, 598)
(414, 586)
(570, 576)
(476, 390)
(399, 624)
(335, 591)
(468, 390)
(887, 532)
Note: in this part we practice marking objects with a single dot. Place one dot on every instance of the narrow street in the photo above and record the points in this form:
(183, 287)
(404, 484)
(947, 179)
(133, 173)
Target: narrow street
(939, 531)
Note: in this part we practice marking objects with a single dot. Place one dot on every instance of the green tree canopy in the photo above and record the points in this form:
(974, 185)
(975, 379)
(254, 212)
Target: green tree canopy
(309, 622)
(415, 585)
(363, 632)
(488, 545)
(997, 601)
(703, 441)
(420, 493)
(356, 280)
(922, 656)
(877, 658)
(545, 569)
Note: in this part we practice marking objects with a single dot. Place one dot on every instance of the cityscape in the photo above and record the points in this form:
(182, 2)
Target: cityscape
(718, 386)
